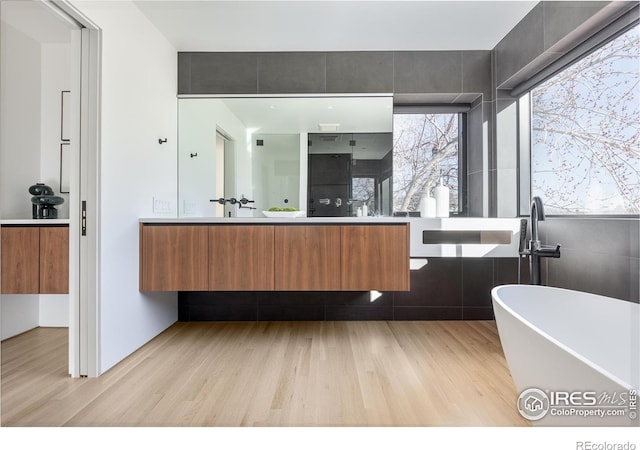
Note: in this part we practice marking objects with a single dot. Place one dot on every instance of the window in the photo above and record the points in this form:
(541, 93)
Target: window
(426, 147)
(363, 190)
(585, 133)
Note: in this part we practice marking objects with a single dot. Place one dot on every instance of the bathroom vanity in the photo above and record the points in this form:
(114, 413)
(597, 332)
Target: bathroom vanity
(325, 268)
(253, 254)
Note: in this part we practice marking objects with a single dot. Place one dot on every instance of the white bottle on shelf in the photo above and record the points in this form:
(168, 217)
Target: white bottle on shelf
(428, 205)
(442, 199)
(365, 210)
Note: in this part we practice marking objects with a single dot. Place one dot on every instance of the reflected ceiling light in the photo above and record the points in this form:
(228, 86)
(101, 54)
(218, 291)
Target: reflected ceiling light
(328, 127)
(374, 295)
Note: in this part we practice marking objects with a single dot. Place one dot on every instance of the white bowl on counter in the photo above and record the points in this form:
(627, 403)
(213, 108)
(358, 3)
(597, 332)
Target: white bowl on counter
(283, 214)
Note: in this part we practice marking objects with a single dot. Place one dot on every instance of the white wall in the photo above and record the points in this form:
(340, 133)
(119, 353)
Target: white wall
(20, 62)
(199, 119)
(138, 106)
(53, 310)
(19, 314)
(56, 67)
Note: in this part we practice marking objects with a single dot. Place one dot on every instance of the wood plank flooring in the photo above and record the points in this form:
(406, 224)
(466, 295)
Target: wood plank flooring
(271, 374)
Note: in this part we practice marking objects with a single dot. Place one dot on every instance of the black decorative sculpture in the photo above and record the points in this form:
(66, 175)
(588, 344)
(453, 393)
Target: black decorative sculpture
(44, 202)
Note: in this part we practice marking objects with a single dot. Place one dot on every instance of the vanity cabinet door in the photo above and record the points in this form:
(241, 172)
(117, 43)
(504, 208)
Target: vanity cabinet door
(375, 257)
(54, 260)
(307, 258)
(20, 260)
(174, 258)
(241, 258)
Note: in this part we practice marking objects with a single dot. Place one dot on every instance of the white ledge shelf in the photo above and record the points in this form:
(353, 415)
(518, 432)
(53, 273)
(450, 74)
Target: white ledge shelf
(507, 227)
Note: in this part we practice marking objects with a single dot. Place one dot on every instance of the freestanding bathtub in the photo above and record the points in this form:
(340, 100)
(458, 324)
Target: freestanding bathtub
(573, 356)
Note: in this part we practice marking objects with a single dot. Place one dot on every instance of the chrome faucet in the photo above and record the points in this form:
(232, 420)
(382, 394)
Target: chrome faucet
(536, 250)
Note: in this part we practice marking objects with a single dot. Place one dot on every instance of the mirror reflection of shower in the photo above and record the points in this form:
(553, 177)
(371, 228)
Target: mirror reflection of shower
(353, 171)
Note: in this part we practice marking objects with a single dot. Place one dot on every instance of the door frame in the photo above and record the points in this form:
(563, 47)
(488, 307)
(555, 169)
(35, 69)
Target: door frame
(84, 201)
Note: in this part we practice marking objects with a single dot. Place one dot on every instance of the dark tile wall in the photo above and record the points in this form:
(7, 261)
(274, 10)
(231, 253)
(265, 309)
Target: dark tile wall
(549, 30)
(522, 45)
(598, 255)
(369, 72)
(430, 72)
(294, 73)
(444, 71)
(475, 158)
(444, 289)
(231, 73)
(562, 19)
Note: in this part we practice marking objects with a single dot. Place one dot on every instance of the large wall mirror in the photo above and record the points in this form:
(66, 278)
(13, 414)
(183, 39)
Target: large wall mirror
(240, 156)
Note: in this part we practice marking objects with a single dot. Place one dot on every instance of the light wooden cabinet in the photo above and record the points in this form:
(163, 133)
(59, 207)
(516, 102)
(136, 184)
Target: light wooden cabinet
(241, 258)
(286, 257)
(174, 258)
(307, 258)
(35, 260)
(375, 258)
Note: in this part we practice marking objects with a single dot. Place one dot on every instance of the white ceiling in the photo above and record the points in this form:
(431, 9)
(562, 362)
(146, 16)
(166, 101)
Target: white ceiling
(228, 26)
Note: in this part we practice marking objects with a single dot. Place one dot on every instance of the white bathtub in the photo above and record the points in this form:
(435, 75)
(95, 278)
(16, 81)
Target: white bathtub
(558, 341)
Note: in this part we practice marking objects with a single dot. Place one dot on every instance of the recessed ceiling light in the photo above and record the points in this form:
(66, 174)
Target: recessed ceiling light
(328, 127)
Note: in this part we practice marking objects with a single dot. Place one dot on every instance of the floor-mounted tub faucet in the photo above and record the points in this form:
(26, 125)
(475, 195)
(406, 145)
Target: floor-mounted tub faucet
(536, 250)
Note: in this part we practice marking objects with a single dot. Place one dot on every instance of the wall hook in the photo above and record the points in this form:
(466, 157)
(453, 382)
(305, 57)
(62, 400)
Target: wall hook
(193, 155)
(162, 141)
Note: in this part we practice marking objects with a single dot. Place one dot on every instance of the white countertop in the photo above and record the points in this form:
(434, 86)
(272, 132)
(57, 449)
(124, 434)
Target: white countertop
(42, 222)
(287, 220)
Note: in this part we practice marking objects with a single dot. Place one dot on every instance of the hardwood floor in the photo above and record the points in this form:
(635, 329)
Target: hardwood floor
(271, 374)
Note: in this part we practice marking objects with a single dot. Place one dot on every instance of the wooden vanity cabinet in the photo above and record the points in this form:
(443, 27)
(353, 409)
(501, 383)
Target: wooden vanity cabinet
(35, 260)
(288, 257)
(307, 258)
(241, 258)
(174, 258)
(375, 258)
